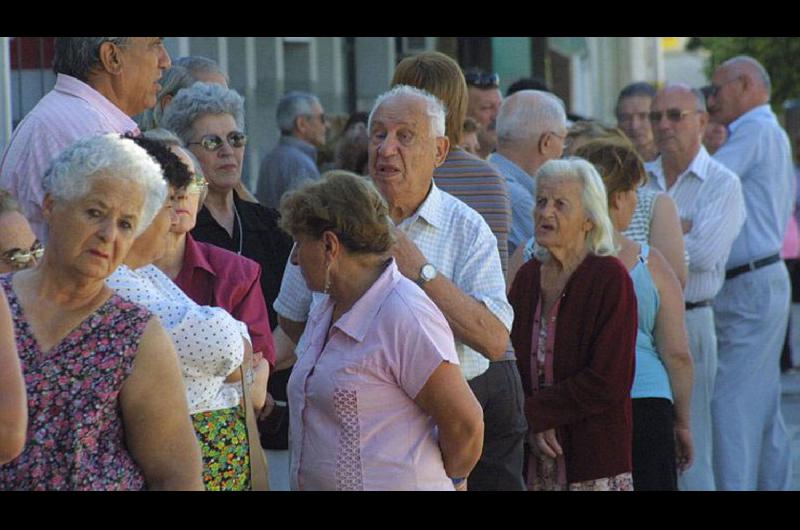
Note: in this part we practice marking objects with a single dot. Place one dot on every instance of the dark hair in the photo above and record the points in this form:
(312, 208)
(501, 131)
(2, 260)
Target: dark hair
(77, 56)
(527, 83)
(175, 171)
(356, 117)
(638, 89)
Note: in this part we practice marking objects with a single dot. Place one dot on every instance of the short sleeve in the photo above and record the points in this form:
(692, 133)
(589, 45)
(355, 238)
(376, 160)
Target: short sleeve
(294, 299)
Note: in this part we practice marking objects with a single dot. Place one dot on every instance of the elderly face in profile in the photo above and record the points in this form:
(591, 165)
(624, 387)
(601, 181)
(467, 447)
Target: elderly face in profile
(101, 194)
(19, 247)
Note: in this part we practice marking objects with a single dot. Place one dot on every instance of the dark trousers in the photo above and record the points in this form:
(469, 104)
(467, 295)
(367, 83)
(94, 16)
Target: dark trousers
(654, 445)
(499, 391)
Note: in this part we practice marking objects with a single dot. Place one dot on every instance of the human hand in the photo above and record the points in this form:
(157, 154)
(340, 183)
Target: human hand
(546, 443)
(269, 406)
(686, 225)
(684, 448)
(408, 256)
(258, 390)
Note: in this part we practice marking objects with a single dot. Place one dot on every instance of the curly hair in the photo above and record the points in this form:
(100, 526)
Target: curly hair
(343, 203)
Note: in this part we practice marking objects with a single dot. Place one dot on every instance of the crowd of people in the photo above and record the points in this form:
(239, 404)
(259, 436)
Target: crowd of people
(455, 290)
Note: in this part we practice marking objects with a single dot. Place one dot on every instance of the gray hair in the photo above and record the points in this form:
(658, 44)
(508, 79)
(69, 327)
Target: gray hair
(77, 56)
(433, 106)
(527, 114)
(71, 176)
(199, 100)
(600, 239)
(195, 65)
(291, 106)
(744, 61)
(165, 136)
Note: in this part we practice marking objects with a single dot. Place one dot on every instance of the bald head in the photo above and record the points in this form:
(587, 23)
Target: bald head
(739, 85)
(684, 91)
(527, 114)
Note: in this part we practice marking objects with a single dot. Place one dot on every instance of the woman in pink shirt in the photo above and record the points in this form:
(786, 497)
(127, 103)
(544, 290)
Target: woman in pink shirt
(377, 399)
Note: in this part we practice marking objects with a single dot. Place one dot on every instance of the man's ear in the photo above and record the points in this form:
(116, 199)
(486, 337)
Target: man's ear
(442, 149)
(542, 143)
(110, 58)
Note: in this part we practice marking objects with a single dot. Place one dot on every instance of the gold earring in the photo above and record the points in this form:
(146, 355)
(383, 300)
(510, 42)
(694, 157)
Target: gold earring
(327, 280)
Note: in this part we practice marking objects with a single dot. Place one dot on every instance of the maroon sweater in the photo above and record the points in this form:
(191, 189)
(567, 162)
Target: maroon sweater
(593, 363)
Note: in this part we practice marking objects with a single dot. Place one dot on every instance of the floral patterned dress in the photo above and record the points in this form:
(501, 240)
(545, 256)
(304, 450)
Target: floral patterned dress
(75, 438)
(546, 473)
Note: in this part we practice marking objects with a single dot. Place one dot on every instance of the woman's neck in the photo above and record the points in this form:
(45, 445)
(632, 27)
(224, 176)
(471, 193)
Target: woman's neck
(353, 280)
(55, 286)
(568, 259)
(171, 262)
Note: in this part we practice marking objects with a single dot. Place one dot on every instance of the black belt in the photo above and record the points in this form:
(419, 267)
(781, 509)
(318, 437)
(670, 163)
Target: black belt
(753, 265)
(695, 305)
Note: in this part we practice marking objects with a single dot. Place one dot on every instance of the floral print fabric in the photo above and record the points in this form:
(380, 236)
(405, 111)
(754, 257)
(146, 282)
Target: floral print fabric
(226, 454)
(75, 438)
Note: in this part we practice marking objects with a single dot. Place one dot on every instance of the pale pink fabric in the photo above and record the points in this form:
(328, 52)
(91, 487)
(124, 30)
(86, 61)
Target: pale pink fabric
(72, 110)
(791, 242)
(354, 423)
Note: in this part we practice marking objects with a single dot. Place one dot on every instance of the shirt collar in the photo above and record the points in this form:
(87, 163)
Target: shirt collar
(762, 111)
(359, 318)
(193, 257)
(430, 210)
(698, 167)
(75, 87)
(512, 171)
(302, 145)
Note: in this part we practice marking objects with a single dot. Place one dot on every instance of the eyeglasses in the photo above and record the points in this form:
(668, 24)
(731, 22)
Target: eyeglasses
(321, 117)
(212, 142)
(19, 258)
(565, 140)
(713, 90)
(482, 80)
(197, 185)
(623, 117)
(673, 115)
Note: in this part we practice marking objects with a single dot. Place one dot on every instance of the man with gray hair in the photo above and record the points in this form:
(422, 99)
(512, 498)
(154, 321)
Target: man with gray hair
(293, 161)
(531, 129)
(711, 207)
(751, 444)
(101, 82)
(445, 246)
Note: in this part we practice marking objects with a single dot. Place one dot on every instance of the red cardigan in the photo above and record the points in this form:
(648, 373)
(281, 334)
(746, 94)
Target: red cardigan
(593, 365)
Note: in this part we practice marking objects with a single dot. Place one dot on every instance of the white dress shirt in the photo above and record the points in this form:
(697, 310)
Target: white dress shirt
(710, 196)
(208, 339)
(458, 242)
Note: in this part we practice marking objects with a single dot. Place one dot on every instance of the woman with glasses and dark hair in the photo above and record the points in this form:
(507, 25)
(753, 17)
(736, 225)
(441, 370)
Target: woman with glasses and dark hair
(19, 247)
(106, 400)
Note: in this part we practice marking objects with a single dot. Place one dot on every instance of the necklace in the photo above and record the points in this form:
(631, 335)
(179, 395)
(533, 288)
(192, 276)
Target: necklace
(241, 233)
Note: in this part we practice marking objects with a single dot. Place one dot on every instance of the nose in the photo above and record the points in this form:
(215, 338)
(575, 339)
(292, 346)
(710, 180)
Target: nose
(106, 230)
(164, 60)
(388, 146)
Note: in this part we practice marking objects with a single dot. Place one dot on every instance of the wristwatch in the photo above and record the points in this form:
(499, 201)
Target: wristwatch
(426, 274)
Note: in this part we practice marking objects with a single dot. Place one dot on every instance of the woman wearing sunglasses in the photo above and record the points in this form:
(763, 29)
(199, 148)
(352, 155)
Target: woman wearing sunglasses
(209, 119)
(19, 248)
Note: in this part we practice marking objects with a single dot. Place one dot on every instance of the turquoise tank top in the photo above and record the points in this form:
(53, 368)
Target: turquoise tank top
(651, 379)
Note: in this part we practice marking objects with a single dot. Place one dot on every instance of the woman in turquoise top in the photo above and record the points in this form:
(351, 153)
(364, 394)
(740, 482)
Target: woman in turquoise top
(662, 441)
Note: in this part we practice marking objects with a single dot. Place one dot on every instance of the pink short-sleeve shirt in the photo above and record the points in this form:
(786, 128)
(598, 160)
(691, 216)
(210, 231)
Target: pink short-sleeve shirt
(354, 422)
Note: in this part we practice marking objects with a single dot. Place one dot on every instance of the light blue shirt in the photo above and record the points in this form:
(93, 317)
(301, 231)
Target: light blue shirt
(521, 188)
(758, 151)
(292, 163)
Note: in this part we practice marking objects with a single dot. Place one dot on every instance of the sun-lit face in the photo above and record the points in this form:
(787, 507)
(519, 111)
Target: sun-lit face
(153, 242)
(727, 89)
(632, 118)
(223, 167)
(484, 105)
(684, 135)
(559, 217)
(91, 236)
(308, 253)
(185, 201)
(143, 62)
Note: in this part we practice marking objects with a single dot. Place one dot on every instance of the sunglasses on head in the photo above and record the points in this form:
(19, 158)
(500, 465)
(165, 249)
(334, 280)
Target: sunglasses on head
(673, 115)
(212, 142)
(482, 80)
(19, 258)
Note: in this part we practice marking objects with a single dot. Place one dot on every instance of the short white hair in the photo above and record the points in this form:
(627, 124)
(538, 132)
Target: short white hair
(434, 107)
(527, 114)
(109, 155)
(600, 239)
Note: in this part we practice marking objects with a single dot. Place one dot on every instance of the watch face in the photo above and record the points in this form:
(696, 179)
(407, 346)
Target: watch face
(428, 272)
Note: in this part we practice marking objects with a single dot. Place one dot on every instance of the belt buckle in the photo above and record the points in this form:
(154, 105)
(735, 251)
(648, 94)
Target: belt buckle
(751, 266)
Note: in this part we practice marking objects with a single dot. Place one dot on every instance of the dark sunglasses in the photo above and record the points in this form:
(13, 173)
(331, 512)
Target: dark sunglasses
(212, 142)
(482, 80)
(673, 115)
(19, 258)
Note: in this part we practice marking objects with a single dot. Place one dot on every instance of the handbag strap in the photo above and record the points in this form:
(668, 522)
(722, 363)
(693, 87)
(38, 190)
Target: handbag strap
(259, 472)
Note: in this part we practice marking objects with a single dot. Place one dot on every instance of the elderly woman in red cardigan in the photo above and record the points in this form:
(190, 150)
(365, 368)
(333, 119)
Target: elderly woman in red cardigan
(574, 334)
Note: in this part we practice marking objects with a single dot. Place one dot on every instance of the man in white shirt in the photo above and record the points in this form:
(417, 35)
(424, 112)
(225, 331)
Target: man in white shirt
(751, 444)
(100, 83)
(711, 208)
(449, 250)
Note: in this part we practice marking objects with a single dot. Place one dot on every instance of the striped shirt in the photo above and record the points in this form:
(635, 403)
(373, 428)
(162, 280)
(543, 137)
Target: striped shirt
(478, 184)
(458, 242)
(71, 111)
(710, 196)
(758, 151)
(639, 227)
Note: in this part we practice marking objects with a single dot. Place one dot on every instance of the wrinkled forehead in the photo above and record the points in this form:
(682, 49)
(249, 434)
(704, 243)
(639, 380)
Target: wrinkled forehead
(559, 185)
(401, 111)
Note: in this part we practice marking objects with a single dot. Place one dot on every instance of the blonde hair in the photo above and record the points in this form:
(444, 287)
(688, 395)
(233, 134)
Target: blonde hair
(344, 203)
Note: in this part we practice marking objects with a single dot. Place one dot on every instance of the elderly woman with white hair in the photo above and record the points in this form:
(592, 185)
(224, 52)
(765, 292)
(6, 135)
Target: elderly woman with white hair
(107, 409)
(574, 334)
